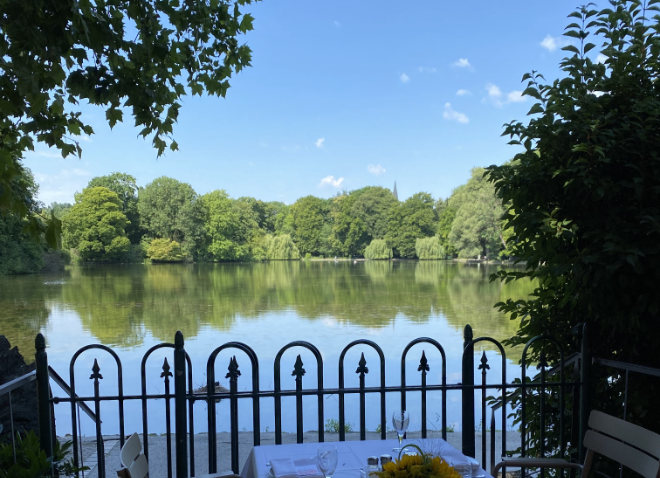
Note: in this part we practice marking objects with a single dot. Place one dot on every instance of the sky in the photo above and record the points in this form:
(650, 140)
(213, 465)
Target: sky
(343, 94)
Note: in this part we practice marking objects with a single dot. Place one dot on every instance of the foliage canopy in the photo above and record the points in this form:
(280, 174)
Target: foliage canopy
(141, 57)
(583, 197)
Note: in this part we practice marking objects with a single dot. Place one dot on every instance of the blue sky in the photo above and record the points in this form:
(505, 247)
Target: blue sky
(343, 94)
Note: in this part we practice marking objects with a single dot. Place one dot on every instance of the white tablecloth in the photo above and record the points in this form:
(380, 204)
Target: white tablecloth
(352, 455)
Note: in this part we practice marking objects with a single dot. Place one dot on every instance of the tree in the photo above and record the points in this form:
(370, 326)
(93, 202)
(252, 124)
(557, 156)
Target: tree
(125, 187)
(19, 251)
(280, 247)
(95, 226)
(359, 217)
(169, 209)
(378, 249)
(164, 250)
(428, 248)
(582, 199)
(141, 57)
(476, 229)
(446, 214)
(310, 221)
(410, 220)
(231, 226)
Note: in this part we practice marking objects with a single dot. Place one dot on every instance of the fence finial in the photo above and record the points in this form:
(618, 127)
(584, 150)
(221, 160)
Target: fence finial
(467, 333)
(39, 342)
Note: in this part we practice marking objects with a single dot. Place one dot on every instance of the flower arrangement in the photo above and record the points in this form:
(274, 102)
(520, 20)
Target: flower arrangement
(421, 465)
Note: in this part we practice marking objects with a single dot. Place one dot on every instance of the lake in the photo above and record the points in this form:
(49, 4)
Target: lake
(265, 305)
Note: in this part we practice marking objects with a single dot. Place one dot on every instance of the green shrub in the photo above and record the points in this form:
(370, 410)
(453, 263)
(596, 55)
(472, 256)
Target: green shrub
(332, 426)
(280, 247)
(428, 248)
(31, 460)
(164, 250)
(378, 249)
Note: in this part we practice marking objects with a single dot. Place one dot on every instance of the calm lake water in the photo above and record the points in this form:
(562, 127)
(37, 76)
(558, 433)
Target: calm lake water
(133, 307)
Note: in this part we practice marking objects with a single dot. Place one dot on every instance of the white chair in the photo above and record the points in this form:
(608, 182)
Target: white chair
(630, 445)
(133, 460)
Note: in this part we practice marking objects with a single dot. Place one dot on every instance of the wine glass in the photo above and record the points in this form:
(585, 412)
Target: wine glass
(327, 460)
(400, 420)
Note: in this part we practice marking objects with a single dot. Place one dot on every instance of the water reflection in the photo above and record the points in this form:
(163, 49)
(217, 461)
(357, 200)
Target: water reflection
(119, 305)
(133, 307)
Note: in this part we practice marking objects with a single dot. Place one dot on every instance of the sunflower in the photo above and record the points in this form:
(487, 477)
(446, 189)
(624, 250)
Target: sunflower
(417, 466)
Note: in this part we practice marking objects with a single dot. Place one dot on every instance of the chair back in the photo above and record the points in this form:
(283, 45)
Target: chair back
(631, 445)
(130, 451)
(139, 468)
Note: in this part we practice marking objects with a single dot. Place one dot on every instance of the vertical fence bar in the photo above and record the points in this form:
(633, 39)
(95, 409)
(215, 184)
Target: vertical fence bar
(468, 393)
(362, 370)
(165, 375)
(100, 453)
(180, 419)
(43, 397)
(298, 372)
(483, 366)
(423, 368)
(585, 379)
(233, 374)
(492, 440)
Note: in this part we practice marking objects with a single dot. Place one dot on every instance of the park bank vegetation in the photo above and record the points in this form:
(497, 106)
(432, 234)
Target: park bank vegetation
(114, 220)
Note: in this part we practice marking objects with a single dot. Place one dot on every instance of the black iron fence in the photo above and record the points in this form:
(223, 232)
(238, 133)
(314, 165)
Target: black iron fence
(180, 396)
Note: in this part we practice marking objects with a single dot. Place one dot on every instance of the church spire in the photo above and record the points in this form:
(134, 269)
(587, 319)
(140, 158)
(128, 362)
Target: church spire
(396, 195)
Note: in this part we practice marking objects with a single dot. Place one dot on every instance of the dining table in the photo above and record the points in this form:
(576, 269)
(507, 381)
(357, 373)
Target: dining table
(300, 458)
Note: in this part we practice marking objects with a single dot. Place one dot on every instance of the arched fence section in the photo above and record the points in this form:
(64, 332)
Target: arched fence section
(423, 374)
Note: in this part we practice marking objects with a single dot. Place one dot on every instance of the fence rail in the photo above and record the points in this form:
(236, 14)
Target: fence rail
(180, 397)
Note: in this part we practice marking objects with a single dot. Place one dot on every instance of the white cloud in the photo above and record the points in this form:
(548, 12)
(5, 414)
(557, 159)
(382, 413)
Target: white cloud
(463, 92)
(551, 43)
(376, 169)
(493, 91)
(450, 114)
(331, 181)
(499, 99)
(427, 69)
(319, 142)
(515, 96)
(601, 58)
(404, 78)
(462, 63)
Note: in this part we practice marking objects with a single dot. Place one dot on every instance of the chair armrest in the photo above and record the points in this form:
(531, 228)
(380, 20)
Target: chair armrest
(222, 474)
(530, 462)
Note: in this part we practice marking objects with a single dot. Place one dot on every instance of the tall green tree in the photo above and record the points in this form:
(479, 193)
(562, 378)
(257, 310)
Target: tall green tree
(95, 226)
(138, 58)
(583, 199)
(170, 209)
(311, 225)
(476, 229)
(125, 187)
(19, 250)
(361, 216)
(410, 220)
(231, 226)
(446, 214)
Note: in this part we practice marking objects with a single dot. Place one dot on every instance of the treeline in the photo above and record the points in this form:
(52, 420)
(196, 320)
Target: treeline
(114, 220)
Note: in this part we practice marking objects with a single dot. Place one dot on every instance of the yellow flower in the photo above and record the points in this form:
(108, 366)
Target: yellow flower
(418, 466)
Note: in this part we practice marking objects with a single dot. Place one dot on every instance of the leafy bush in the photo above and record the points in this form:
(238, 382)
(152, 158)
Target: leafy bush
(429, 248)
(332, 426)
(164, 250)
(378, 249)
(582, 203)
(31, 460)
(280, 247)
